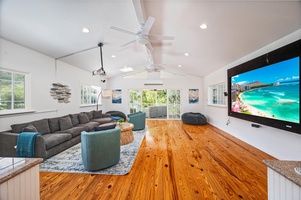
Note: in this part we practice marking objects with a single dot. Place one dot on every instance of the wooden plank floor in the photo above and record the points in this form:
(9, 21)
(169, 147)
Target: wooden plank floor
(175, 161)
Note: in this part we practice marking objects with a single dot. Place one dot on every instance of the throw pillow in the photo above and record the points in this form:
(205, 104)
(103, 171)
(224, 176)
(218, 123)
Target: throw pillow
(83, 118)
(74, 119)
(65, 123)
(102, 128)
(42, 126)
(29, 128)
(89, 114)
(97, 114)
(54, 124)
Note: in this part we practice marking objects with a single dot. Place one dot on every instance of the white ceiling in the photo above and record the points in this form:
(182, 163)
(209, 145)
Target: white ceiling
(235, 29)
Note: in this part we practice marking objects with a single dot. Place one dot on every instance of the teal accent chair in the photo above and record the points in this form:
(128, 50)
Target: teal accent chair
(138, 119)
(100, 149)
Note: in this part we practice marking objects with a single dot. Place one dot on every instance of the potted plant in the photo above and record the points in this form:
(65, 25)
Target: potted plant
(120, 121)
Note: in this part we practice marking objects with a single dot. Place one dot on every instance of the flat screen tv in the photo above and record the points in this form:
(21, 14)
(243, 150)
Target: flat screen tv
(266, 90)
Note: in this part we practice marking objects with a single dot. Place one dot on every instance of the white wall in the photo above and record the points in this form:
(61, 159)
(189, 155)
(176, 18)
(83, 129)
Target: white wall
(278, 143)
(43, 71)
(184, 84)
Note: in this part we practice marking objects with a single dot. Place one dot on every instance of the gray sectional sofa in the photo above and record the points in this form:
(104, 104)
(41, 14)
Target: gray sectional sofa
(57, 134)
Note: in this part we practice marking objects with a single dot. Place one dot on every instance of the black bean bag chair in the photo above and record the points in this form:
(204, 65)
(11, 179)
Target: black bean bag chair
(194, 118)
(117, 114)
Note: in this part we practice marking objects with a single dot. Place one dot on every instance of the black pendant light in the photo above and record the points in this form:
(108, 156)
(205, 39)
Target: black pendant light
(100, 71)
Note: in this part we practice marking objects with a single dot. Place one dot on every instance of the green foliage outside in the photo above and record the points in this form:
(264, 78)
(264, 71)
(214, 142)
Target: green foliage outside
(156, 97)
(153, 97)
(12, 84)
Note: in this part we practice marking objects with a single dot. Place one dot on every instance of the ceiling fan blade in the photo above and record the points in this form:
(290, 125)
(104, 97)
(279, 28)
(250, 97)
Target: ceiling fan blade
(160, 37)
(122, 30)
(148, 25)
(149, 46)
(128, 43)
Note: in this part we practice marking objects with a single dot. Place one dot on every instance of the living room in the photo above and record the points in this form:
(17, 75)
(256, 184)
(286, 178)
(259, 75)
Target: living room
(43, 70)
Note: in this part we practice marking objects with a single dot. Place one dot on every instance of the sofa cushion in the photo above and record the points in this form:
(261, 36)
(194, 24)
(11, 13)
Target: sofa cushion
(54, 124)
(102, 128)
(91, 125)
(42, 126)
(83, 126)
(83, 118)
(97, 114)
(102, 120)
(74, 119)
(75, 131)
(89, 114)
(17, 128)
(54, 139)
(65, 123)
(29, 128)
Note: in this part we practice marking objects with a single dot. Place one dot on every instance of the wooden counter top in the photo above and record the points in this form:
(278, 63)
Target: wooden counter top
(286, 169)
(11, 167)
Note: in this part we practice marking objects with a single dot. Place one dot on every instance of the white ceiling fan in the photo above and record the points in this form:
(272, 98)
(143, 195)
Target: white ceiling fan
(151, 67)
(143, 37)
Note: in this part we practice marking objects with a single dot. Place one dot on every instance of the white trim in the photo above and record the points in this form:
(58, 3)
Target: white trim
(15, 112)
(88, 105)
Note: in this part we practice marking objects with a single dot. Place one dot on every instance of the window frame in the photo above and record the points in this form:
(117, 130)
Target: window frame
(88, 101)
(221, 100)
(27, 93)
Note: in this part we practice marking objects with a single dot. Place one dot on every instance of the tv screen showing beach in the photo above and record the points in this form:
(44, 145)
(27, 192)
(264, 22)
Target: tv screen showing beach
(272, 91)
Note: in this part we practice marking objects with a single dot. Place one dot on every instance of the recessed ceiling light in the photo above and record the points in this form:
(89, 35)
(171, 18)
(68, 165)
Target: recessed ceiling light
(203, 26)
(186, 54)
(179, 65)
(85, 30)
(126, 69)
(113, 56)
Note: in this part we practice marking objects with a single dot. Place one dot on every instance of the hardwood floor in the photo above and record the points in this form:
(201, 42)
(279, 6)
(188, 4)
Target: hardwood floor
(175, 161)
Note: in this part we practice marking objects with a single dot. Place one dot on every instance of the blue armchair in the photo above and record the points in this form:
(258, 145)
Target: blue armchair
(138, 119)
(100, 149)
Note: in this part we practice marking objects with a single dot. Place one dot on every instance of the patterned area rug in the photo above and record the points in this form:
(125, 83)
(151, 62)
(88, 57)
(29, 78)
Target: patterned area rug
(70, 160)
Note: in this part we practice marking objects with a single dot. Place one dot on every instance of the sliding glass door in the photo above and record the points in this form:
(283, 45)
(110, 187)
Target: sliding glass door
(156, 103)
(174, 104)
(135, 101)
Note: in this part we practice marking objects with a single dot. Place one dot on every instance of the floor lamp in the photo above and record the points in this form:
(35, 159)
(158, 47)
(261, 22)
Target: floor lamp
(97, 100)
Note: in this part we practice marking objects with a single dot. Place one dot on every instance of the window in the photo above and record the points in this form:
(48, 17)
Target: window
(12, 91)
(89, 94)
(216, 95)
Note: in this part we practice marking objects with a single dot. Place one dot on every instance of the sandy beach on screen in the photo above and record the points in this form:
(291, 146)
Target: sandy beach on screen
(251, 109)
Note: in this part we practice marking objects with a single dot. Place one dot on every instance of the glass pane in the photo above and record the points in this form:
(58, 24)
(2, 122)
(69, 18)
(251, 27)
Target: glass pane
(19, 78)
(19, 96)
(5, 105)
(135, 101)
(5, 96)
(174, 107)
(19, 105)
(161, 97)
(148, 98)
(12, 91)
(5, 75)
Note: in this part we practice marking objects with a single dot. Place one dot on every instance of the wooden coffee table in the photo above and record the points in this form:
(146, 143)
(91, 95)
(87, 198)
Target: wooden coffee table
(126, 133)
